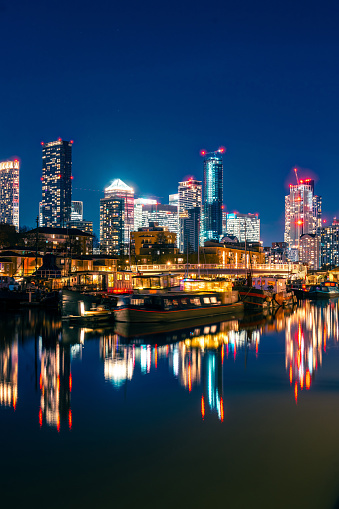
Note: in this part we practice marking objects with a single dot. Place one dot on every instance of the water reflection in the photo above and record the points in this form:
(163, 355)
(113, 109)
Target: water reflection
(194, 356)
(307, 333)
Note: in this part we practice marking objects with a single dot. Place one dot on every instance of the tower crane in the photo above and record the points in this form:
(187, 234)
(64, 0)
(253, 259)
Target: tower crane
(296, 175)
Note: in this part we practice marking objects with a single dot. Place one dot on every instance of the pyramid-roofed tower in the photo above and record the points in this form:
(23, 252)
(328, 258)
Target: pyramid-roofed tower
(118, 185)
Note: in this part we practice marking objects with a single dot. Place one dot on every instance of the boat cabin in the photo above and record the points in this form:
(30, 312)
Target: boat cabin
(273, 284)
(169, 301)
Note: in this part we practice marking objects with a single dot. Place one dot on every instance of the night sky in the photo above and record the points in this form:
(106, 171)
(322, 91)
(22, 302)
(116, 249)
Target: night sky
(141, 87)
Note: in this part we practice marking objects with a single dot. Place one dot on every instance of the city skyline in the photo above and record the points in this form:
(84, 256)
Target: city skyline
(140, 103)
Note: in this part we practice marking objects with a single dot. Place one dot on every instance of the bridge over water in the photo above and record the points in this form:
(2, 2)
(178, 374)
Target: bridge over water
(281, 269)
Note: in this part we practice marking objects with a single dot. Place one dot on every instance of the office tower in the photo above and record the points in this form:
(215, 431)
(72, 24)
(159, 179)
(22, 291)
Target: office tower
(77, 218)
(329, 245)
(77, 211)
(56, 183)
(139, 216)
(189, 197)
(173, 199)
(112, 225)
(9, 192)
(119, 190)
(213, 195)
(243, 226)
(302, 214)
(191, 230)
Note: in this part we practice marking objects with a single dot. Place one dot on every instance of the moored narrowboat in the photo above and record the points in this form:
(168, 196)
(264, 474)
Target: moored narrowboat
(172, 306)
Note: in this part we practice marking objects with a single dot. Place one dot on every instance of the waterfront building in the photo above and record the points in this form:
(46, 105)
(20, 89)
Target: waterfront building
(9, 192)
(112, 225)
(189, 197)
(213, 195)
(302, 215)
(329, 245)
(243, 226)
(309, 250)
(278, 253)
(233, 254)
(55, 209)
(120, 191)
(152, 243)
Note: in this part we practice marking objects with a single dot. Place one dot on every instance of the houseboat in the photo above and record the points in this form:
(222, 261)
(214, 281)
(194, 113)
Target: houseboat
(173, 306)
(265, 293)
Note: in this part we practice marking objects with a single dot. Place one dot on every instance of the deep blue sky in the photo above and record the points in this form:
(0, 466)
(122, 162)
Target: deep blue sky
(141, 87)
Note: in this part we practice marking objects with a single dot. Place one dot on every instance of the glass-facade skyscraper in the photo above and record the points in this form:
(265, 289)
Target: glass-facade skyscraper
(190, 196)
(213, 195)
(9, 192)
(55, 208)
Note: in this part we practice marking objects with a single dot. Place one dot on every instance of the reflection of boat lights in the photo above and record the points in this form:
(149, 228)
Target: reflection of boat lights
(308, 379)
(221, 409)
(189, 378)
(143, 359)
(70, 419)
(296, 392)
(156, 356)
(40, 417)
(202, 407)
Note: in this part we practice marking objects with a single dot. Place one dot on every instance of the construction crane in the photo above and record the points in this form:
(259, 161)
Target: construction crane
(296, 175)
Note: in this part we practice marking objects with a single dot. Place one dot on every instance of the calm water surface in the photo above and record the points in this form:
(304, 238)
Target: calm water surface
(243, 413)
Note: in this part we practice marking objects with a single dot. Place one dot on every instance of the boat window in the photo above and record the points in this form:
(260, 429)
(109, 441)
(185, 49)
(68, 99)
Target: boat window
(196, 302)
(175, 302)
(214, 300)
(137, 302)
(184, 302)
(207, 300)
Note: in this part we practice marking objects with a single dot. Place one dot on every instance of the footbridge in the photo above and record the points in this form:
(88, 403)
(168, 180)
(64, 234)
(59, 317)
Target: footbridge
(281, 269)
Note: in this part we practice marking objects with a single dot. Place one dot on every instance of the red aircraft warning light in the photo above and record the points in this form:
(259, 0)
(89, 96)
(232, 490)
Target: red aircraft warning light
(299, 222)
(203, 152)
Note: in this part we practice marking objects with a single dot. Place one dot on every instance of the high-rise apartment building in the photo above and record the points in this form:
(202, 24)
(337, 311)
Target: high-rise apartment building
(55, 208)
(119, 190)
(112, 220)
(329, 245)
(9, 192)
(213, 195)
(309, 250)
(302, 215)
(189, 197)
(243, 226)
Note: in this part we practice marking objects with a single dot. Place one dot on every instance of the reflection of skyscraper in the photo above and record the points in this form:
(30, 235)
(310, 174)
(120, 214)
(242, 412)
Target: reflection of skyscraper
(306, 335)
(213, 195)
(213, 386)
(55, 385)
(9, 374)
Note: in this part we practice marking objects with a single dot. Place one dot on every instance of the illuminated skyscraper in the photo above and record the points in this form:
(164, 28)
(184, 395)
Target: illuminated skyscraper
(243, 226)
(112, 219)
(56, 179)
(9, 192)
(213, 194)
(190, 195)
(302, 215)
(119, 190)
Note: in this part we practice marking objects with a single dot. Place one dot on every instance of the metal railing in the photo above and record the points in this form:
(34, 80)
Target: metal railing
(273, 267)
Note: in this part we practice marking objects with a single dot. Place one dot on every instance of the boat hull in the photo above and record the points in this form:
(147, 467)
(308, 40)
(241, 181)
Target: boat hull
(129, 314)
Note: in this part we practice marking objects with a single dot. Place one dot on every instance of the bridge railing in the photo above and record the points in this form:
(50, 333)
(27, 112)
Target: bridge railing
(272, 268)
